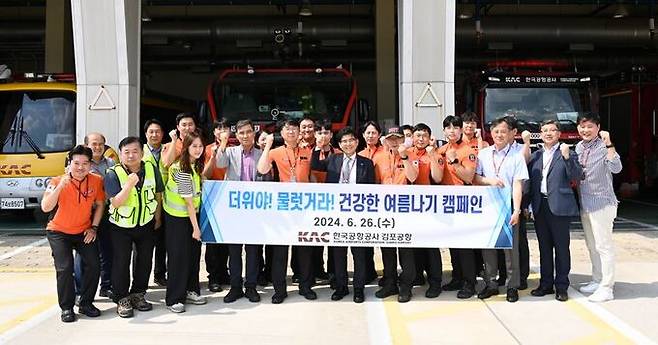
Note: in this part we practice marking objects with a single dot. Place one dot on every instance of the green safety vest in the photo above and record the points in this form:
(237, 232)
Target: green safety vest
(140, 206)
(149, 157)
(173, 203)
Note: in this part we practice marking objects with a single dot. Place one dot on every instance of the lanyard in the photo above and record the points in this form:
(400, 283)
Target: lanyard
(493, 160)
(77, 187)
(293, 163)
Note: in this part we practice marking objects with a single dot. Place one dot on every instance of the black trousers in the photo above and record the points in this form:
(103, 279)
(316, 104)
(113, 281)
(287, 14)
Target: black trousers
(305, 266)
(421, 260)
(235, 265)
(279, 268)
(371, 272)
(434, 266)
(217, 262)
(467, 263)
(160, 253)
(266, 262)
(124, 241)
(457, 271)
(359, 255)
(184, 255)
(62, 246)
(524, 253)
(407, 261)
(553, 234)
(317, 261)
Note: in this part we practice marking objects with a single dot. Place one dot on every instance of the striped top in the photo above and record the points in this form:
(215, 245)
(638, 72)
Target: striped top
(185, 184)
(596, 190)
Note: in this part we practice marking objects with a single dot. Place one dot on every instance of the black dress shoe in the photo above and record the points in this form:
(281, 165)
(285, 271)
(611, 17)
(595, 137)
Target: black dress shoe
(562, 295)
(68, 315)
(233, 295)
(512, 295)
(340, 293)
(467, 291)
(488, 292)
(252, 295)
(404, 297)
(542, 291)
(359, 297)
(279, 298)
(160, 281)
(501, 281)
(523, 285)
(308, 294)
(454, 285)
(89, 310)
(214, 287)
(433, 292)
(387, 291)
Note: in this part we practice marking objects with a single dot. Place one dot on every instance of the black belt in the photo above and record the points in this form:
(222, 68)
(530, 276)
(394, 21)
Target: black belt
(544, 196)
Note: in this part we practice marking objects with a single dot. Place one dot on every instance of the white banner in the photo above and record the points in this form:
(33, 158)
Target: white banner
(362, 215)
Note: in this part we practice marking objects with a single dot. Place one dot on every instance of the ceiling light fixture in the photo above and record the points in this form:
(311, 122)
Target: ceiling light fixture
(305, 10)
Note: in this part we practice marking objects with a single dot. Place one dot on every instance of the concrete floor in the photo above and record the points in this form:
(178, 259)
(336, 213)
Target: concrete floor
(29, 313)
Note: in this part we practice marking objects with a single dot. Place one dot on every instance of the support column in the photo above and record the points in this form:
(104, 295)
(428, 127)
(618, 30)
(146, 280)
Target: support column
(385, 62)
(107, 37)
(59, 37)
(426, 34)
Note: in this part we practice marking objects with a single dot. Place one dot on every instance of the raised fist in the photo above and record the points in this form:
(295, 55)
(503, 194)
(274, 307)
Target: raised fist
(564, 149)
(402, 150)
(173, 135)
(133, 179)
(605, 135)
(223, 136)
(478, 133)
(269, 140)
(525, 135)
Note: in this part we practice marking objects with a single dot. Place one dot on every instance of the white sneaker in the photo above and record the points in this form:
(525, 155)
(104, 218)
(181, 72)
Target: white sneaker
(601, 295)
(589, 288)
(177, 308)
(194, 298)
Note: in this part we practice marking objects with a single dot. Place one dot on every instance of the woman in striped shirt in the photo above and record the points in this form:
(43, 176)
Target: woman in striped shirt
(181, 204)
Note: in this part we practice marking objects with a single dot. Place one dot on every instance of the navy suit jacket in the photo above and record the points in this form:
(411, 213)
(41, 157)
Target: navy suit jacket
(561, 173)
(365, 170)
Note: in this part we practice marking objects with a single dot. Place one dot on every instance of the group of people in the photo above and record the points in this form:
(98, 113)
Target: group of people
(115, 213)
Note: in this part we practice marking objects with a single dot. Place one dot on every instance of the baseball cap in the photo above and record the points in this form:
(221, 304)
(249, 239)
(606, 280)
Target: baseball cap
(394, 131)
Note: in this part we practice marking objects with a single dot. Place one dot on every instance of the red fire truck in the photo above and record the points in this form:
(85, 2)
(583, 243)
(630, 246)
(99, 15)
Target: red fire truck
(267, 95)
(535, 94)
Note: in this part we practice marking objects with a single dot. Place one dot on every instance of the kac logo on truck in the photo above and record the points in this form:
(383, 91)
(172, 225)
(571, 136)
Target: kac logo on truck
(15, 169)
(312, 236)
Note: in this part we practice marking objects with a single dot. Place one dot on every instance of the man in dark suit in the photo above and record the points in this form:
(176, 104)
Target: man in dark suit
(347, 168)
(552, 170)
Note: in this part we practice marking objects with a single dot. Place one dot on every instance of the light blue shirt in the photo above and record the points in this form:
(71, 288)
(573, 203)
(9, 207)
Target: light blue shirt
(505, 164)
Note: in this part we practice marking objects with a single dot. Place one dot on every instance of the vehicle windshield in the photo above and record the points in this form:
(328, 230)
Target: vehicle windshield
(269, 96)
(532, 106)
(45, 119)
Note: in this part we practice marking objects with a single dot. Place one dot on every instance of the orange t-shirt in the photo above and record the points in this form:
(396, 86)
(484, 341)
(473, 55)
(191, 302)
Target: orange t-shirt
(372, 154)
(473, 143)
(217, 173)
(75, 203)
(466, 155)
(288, 160)
(421, 160)
(389, 169)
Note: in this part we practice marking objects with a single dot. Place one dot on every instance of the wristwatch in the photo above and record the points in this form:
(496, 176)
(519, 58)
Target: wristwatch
(455, 161)
(404, 158)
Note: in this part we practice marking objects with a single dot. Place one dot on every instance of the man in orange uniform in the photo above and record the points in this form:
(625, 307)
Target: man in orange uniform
(423, 161)
(294, 166)
(216, 254)
(458, 160)
(392, 168)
